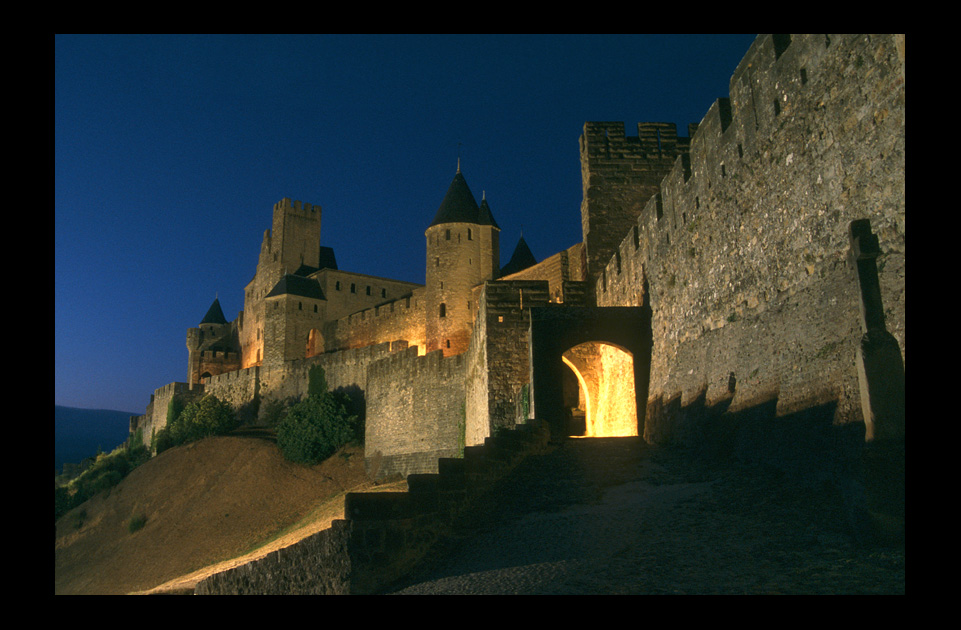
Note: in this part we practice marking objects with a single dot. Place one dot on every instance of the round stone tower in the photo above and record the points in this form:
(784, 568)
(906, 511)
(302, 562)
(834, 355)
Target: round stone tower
(463, 251)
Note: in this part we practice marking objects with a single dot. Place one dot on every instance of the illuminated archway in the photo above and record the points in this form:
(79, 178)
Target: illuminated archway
(315, 343)
(606, 398)
(614, 367)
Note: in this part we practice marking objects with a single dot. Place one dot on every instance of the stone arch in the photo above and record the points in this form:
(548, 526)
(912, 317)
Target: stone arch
(604, 404)
(555, 331)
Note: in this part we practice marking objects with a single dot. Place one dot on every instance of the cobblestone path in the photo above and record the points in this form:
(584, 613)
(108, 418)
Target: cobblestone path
(616, 516)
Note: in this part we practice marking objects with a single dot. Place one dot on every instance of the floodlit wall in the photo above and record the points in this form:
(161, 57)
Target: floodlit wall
(743, 253)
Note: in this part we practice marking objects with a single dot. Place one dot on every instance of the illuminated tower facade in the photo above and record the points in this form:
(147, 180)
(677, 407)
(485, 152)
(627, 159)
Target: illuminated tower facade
(290, 247)
(463, 251)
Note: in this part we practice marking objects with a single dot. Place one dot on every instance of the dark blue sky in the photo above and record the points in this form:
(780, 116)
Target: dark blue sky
(170, 152)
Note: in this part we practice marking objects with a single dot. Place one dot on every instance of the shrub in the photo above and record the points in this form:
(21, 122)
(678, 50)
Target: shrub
(63, 501)
(161, 441)
(273, 411)
(316, 427)
(105, 472)
(174, 408)
(316, 381)
(209, 416)
(136, 522)
(136, 440)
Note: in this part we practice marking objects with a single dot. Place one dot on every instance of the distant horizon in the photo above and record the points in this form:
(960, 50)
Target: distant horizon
(133, 413)
(170, 151)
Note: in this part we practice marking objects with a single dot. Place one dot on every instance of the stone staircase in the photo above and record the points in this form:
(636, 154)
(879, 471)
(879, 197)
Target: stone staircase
(384, 535)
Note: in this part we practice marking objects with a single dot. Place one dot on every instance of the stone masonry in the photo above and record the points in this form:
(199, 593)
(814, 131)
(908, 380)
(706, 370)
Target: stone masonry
(735, 242)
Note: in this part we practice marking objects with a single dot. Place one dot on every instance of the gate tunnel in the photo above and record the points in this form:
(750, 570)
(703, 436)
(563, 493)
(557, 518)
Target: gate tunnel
(600, 401)
(607, 350)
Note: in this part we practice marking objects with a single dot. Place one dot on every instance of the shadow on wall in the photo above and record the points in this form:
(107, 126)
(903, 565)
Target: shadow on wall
(357, 404)
(805, 444)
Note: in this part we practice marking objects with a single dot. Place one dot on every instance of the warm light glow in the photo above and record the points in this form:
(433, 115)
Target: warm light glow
(584, 391)
(606, 379)
(616, 406)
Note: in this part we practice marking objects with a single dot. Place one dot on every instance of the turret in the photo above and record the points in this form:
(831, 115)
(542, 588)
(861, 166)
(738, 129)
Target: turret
(213, 347)
(463, 251)
(521, 259)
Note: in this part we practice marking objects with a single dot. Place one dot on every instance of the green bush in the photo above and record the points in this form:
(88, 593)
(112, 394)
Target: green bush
(106, 472)
(316, 381)
(63, 500)
(209, 416)
(136, 440)
(273, 411)
(136, 522)
(174, 408)
(316, 427)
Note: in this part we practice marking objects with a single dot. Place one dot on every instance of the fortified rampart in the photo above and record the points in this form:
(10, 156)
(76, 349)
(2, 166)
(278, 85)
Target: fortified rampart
(754, 273)
(498, 361)
(619, 174)
(155, 418)
(416, 409)
(569, 265)
(402, 318)
(743, 254)
(345, 371)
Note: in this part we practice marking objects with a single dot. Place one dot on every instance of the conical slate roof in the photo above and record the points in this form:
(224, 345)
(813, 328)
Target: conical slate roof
(215, 314)
(297, 285)
(459, 206)
(521, 259)
(484, 216)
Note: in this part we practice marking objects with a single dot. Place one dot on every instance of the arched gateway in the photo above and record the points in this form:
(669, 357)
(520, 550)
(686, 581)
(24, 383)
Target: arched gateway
(555, 331)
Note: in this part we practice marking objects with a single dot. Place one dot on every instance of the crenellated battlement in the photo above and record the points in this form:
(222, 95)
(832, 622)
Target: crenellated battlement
(286, 204)
(735, 239)
(779, 82)
(756, 215)
(653, 140)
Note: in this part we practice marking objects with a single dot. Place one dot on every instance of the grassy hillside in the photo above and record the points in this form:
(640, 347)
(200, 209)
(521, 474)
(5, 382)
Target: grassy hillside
(196, 505)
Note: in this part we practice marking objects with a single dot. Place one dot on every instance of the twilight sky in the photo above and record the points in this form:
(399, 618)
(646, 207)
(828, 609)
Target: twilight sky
(170, 152)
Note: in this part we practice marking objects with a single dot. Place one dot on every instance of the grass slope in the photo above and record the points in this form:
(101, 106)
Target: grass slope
(199, 504)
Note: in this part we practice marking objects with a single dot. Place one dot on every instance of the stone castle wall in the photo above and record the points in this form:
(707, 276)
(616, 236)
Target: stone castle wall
(744, 250)
(402, 318)
(349, 292)
(566, 266)
(737, 238)
(415, 407)
(155, 417)
(345, 370)
(498, 365)
(619, 174)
